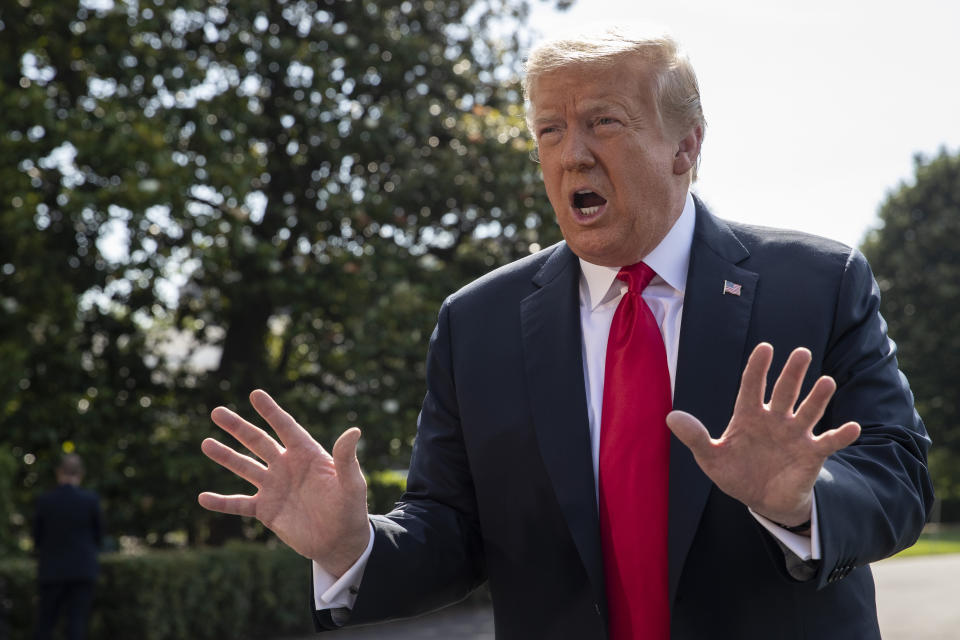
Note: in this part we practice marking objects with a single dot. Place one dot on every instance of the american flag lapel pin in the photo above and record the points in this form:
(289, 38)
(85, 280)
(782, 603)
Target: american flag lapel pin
(731, 287)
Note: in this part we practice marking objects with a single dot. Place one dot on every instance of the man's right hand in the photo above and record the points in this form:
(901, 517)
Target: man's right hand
(316, 503)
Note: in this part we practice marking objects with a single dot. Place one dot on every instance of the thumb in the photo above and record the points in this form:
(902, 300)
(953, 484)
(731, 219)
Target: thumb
(690, 431)
(835, 439)
(345, 457)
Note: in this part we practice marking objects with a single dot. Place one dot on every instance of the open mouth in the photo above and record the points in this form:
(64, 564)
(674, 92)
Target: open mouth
(588, 202)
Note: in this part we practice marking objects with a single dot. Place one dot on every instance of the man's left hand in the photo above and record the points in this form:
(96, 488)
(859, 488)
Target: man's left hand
(768, 457)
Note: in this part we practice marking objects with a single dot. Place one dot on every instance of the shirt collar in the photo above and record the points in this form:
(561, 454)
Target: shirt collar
(670, 259)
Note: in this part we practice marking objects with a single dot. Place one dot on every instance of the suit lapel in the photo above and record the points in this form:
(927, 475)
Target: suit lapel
(550, 325)
(712, 353)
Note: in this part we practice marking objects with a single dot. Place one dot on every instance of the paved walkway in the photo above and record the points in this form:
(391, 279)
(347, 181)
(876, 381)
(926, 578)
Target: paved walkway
(467, 621)
(917, 598)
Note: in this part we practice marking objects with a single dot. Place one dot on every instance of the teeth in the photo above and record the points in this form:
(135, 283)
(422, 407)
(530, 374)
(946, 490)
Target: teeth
(588, 211)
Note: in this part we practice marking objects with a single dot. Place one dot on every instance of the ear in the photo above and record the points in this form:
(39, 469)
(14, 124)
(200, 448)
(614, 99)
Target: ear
(688, 150)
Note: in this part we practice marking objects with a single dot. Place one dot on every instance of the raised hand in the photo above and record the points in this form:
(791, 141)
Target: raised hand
(768, 457)
(316, 503)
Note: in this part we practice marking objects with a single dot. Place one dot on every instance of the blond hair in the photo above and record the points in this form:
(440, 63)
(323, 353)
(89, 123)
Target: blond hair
(678, 94)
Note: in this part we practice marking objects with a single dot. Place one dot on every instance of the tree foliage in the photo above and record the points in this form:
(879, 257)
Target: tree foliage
(210, 196)
(915, 257)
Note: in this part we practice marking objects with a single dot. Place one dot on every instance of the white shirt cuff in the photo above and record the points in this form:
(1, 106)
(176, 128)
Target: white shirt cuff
(330, 592)
(803, 547)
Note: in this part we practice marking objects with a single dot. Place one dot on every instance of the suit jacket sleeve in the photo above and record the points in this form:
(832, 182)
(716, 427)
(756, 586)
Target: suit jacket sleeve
(875, 495)
(427, 552)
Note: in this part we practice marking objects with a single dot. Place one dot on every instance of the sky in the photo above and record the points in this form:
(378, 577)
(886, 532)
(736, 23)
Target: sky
(815, 109)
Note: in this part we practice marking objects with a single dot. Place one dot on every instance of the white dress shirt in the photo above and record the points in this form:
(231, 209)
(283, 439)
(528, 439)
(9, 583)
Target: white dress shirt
(600, 293)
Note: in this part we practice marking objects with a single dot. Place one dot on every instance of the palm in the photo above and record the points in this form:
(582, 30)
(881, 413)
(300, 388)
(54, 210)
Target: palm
(314, 502)
(299, 478)
(768, 457)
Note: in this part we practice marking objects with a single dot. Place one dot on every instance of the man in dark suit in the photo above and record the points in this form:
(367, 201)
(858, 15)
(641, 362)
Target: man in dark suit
(775, 496)
(67, 533)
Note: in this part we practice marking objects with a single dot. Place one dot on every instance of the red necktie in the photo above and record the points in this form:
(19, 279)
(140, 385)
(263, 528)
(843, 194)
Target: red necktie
(634, 467)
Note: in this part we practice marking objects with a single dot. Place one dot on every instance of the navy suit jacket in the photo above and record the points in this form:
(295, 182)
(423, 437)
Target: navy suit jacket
(501, 485)
(67, 533)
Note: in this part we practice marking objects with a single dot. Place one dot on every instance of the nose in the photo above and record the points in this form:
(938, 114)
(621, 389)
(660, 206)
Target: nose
(575, 153)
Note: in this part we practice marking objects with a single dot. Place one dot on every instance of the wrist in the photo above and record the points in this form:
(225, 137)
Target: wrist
(352, 549)
(796, 520)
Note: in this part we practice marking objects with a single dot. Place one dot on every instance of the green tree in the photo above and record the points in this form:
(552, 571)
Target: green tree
(73, 374)
(210, 197)
(917, 264)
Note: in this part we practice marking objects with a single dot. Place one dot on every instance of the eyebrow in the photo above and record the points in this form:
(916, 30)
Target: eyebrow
(594, 105)
(542, 120)
(589, 107)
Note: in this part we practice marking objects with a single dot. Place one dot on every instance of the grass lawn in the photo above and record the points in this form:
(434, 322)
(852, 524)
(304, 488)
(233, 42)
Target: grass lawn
(936, 541)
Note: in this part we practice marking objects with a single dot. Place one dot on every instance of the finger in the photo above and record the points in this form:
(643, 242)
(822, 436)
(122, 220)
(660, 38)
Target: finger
(234, 505)
(753, 383)
(345, 458)
(811, 409)
(786, 389)
(287, 429)
(253, 438)
(244, 466)
(835, 439)
(691, 432)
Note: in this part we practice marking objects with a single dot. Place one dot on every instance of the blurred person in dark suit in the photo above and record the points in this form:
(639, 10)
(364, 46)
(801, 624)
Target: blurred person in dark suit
(67, 533)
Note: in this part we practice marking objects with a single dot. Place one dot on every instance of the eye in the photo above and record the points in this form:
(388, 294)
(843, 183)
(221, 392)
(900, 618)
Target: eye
(547, 130)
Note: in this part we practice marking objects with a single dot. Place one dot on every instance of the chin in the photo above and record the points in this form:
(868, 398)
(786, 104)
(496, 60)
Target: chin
(595, 255)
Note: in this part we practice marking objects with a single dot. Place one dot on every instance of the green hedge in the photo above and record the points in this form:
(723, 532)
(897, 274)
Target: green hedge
(242, 591)
(17, 587)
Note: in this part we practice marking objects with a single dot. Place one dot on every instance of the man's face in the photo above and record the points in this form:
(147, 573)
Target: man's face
(612, 171)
